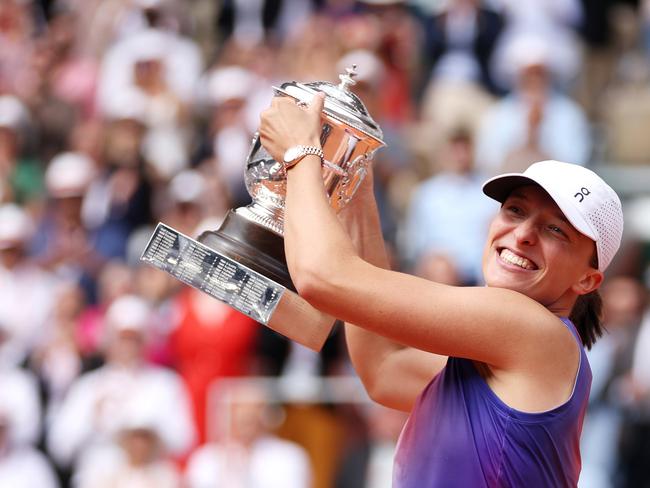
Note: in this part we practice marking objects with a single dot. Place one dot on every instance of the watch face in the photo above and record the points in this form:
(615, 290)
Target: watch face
(292, 153)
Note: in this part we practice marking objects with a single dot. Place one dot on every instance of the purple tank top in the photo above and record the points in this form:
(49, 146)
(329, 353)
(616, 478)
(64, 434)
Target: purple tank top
(460, 434)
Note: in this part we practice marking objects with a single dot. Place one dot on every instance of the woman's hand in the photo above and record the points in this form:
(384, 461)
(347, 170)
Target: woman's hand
(285, 124)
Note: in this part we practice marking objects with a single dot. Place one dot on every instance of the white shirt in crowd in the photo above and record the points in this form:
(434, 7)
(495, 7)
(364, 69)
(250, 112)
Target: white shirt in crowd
(108, 467)
(269, 463)
(25, 467)
(102, 402)
(20, 405)
(29, 285)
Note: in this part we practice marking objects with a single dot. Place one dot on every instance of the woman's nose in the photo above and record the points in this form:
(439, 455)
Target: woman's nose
(526, 233)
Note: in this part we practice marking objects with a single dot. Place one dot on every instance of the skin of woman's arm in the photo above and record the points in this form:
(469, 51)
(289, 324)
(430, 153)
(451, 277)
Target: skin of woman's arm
(393, 375)
(498, 327)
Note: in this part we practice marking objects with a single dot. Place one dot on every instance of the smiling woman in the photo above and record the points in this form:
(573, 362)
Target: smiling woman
(495, 378)
(533, 250)
(592, 225)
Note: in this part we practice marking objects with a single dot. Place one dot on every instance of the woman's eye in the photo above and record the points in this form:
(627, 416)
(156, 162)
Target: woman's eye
(556, 229)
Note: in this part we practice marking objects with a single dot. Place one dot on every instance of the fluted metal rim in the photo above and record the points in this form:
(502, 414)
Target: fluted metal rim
(263, 220)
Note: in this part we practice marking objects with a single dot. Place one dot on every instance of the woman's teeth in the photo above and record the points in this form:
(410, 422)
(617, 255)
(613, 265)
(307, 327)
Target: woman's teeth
(512, 258)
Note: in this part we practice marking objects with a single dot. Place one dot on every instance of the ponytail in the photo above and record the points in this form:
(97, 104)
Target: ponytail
(586, 315)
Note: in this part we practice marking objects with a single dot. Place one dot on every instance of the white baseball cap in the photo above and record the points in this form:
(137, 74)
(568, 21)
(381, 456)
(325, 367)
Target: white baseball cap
(129, 312)
(229, 83)
(370, 68)
(69, 174)
(188, 186)
(13, 113)
(529, 50)
(588, 203)
(16, 226)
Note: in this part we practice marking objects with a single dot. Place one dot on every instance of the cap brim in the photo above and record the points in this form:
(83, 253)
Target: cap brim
(499, 187)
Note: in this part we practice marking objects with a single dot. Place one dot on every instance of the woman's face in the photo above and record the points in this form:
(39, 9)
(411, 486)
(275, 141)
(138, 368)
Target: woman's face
(533, 249)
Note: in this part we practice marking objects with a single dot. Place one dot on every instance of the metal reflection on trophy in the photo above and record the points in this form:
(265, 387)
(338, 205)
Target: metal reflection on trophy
(243, 262)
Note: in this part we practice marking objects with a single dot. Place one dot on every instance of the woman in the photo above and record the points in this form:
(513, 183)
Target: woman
(495, 377)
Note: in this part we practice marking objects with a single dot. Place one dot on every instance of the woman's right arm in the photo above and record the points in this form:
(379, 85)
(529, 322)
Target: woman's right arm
(392, 374)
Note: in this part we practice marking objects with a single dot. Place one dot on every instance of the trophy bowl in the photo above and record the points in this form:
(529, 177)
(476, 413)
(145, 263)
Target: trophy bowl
(243, 262)
(349, 138)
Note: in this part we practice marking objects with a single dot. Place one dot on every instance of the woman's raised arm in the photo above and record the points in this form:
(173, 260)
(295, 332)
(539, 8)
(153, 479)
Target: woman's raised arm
(496, 326)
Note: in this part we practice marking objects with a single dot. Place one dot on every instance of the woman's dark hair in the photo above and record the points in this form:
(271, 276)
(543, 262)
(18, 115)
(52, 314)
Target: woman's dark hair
(587, 312)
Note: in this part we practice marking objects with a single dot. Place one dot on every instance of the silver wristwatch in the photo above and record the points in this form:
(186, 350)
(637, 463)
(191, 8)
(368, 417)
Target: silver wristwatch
(294, 155)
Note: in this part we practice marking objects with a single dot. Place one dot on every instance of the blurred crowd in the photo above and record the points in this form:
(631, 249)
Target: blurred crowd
(118, 114)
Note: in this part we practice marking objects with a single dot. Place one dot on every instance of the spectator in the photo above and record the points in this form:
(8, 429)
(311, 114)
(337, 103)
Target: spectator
(71, 76)
(21, 419)
(636, 394)
(397, 35)
(156, 68)
(210, 341)
(297, 56)
(458, 85)
(17, 28)
(251, 22)
(459, 43)
(21, 465)
(57, 359)
(534, 122)
(432, 223)
(20, 412)
(115, 280)
(246, 454)
(62, 242)
(118, 200)
(553, 22)
(627, 101)
(603, 45)
(21, 178)
(104, 22)
(135, 459)
(227, 90)
(99, 401)
(186, 202)
(21, 281)
(610, 359)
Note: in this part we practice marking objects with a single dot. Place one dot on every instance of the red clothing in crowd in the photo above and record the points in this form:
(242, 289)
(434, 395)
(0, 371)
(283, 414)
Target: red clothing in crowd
(211, 341)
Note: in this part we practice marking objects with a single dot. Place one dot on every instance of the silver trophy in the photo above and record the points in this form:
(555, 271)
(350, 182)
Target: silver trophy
(243, 262)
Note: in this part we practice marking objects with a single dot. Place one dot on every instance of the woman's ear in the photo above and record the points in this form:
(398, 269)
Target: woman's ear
(589, 282)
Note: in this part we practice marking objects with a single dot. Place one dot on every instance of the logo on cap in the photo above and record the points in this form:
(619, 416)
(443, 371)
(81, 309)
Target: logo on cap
(582, 194)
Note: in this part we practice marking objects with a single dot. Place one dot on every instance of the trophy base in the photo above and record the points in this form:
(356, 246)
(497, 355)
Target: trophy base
(252, 245)
(234, 274)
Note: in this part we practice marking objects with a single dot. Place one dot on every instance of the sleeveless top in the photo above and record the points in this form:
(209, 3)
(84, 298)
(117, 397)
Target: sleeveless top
(460, 434)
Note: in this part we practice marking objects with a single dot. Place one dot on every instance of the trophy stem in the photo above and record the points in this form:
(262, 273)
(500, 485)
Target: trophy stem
(252, 245)
(272, 220)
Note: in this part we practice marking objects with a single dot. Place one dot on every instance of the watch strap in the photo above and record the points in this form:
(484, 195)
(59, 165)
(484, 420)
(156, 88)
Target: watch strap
(305, 151)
